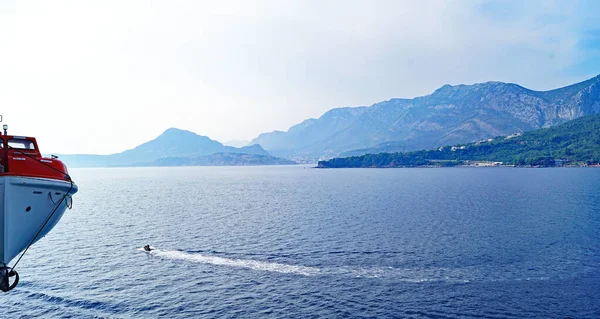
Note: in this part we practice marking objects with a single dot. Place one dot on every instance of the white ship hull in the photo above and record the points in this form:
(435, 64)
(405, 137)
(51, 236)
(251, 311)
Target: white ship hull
(25, 205)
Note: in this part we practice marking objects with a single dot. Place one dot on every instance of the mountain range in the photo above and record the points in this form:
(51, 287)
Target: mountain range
(173, 143)
(450, 115)
(574, 143)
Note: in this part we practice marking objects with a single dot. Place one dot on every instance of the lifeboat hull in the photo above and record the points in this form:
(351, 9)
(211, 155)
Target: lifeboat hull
(26, 203)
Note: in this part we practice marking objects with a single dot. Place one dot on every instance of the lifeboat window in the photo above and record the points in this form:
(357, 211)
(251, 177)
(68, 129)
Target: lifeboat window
(21, 144)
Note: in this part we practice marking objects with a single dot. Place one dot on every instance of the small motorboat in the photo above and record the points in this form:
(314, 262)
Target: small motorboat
(35, 191)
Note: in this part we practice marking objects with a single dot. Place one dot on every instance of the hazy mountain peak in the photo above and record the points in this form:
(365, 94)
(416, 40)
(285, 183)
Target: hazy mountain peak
(445, 87)
(452, 89)
(344, 111)
(255, 148)
(173, 131)
(173, 142)
(310, 131)
(452, 114)
(236, 143)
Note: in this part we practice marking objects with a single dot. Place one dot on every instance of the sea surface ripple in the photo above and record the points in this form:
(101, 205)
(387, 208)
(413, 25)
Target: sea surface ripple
(297, 242)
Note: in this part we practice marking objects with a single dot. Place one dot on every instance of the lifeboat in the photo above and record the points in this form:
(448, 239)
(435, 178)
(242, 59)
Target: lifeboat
(35, 191)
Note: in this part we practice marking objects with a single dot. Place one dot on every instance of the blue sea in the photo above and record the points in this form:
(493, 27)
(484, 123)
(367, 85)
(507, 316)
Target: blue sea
(299, 242)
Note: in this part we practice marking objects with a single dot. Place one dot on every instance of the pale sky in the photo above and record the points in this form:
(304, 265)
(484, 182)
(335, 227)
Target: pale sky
(104, 76)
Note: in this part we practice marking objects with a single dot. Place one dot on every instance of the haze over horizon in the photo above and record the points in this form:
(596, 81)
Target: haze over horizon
(104, 76)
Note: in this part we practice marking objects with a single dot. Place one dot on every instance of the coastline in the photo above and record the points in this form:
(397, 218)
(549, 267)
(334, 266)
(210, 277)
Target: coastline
(471, 164)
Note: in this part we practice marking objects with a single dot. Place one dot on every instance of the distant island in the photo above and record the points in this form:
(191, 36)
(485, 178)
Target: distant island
(177, 147)
(574, 143)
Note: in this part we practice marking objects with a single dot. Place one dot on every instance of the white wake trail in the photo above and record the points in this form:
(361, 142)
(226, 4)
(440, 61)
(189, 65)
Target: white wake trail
(409, 275)
(240, 263)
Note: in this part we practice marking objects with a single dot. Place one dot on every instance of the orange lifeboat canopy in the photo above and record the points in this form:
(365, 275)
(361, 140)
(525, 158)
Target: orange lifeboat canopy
(20, 156)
